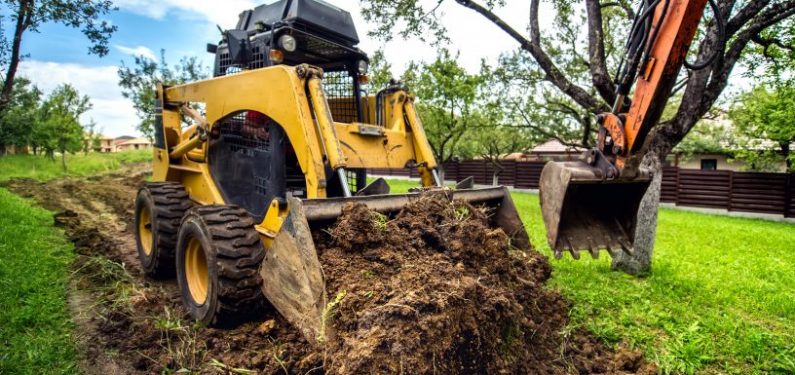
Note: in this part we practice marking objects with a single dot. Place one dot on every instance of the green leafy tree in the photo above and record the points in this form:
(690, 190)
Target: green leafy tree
(21, 115)
(494, 141)
(29, 15)
(709, 136)
(447, 97)
(138, 83)
(380, 71)
(576, 61)
(765, 119)
(92, 138)
(59, 129)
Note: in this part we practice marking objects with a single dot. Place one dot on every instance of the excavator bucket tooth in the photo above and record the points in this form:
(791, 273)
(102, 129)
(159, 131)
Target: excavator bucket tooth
(583, 211)
(292, 275)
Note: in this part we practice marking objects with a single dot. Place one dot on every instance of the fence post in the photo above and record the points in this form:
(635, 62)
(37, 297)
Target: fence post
(731, 191)
(676, 189)
(788, 187)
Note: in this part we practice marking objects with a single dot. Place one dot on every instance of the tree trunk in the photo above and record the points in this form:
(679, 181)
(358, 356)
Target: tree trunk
(495, 179)
(639, 262)
(63, 161)
(22, 19)
(2, 149)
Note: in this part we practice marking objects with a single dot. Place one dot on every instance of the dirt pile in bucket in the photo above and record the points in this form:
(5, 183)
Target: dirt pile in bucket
(437, 290)
(433, 289)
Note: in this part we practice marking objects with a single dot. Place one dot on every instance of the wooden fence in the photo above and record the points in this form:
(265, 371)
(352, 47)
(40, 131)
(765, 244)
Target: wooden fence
(771, 193)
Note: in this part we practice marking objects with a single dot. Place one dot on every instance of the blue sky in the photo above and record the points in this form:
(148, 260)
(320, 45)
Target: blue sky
(58, 54)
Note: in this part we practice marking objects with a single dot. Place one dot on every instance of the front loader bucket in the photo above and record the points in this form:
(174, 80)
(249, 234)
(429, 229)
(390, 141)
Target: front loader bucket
(292, 274)
(583, 211)
(292, 278)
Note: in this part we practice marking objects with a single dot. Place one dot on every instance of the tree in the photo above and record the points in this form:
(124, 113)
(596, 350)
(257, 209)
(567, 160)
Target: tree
(495, 143)
(21, 115)
(28, 15)
(558, 64)
(708, 137)
(92, 138)
(447, 96)
(60, 129)
(765, 118)
(138, 83)
(380, 71)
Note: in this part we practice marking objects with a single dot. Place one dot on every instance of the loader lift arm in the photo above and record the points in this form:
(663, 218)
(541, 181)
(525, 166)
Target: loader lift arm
(592, 203)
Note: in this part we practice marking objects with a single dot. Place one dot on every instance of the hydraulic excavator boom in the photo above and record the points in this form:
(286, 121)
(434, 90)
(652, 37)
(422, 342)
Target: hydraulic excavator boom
(592, 203)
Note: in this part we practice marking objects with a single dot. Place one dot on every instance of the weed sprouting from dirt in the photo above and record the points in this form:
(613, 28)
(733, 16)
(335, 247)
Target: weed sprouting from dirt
(180, 341)
(111, 283)
(380, 221)
(229, 369)
(328, 314)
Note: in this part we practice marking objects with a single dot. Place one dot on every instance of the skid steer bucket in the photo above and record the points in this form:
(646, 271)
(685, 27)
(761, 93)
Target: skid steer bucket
(293, 276)
(584, 211)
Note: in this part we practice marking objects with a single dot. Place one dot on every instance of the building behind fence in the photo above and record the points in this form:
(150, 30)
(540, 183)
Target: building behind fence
(770, 193)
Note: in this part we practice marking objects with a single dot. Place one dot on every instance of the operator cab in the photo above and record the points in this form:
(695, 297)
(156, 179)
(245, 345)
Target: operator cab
(294, 32)
(252, 159)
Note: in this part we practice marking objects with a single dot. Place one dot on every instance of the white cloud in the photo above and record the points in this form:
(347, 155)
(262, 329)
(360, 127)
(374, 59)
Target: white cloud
(137, 51)
(469, 32)
(112, 112)
(224, 13)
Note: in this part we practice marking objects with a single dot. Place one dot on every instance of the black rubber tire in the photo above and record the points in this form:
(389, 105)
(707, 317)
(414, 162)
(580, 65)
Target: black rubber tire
(167, 202)
(234, 252)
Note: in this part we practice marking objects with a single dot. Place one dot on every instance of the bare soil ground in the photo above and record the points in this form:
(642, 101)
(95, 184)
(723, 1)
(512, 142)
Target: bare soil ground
(432, 290)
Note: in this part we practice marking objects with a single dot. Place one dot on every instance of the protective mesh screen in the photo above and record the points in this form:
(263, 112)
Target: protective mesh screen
(240, 161)
(341, 95)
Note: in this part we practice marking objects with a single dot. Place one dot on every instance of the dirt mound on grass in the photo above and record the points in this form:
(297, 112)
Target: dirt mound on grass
(432, 290)
(437, 290)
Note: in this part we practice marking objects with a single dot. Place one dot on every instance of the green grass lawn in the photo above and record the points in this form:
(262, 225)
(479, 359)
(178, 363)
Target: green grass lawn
(42, 168)
(35, 328)
(720, 299)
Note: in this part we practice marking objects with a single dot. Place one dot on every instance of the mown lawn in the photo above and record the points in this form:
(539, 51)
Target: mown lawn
(35, 258)
(35, 328)
(42, 168)
(721, 298)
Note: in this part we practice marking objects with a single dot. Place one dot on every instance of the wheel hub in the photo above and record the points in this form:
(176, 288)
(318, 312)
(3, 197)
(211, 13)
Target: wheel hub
(145, 231)
(196, 271)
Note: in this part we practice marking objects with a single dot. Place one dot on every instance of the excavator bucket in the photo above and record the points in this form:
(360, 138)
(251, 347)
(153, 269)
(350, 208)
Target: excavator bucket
(292, 274)
(584, 211)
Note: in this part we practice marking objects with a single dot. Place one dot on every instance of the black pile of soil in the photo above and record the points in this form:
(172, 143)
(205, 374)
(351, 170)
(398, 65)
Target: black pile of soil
(437, 289)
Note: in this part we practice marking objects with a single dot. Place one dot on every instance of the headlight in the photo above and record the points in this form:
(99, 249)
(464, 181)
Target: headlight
(288, 43)
(363, 66)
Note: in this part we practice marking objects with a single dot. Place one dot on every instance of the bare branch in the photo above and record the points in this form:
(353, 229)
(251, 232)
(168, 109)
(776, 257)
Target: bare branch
(533, 46)
(744, 15)
(529, 124)
(596, 52)
(766, 43)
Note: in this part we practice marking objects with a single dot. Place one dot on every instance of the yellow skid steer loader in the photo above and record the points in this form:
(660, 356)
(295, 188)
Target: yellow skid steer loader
(247, 164)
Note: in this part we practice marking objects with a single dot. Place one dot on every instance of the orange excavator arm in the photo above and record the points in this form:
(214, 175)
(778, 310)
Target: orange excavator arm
(592, 203)
(673, 27)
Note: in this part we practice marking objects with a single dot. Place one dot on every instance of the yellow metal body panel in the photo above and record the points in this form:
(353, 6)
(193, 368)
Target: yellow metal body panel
(292, 97)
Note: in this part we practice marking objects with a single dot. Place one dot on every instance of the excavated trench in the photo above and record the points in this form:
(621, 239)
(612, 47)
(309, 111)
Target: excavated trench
(432, 290)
